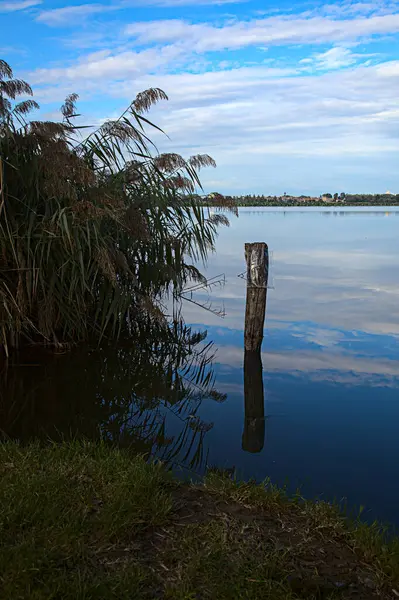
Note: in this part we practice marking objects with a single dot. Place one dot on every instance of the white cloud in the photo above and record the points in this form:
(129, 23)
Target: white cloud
(251, 116)
(353, 8)
(162, 31)
(335, 58)
(266, 111)
(275, 30)
(175, 3)
(389, 69)
(276, 113)
(107, 67)
(12, 6)
(71, 15)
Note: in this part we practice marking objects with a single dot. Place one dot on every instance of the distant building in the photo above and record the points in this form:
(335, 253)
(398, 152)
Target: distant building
(331, 200)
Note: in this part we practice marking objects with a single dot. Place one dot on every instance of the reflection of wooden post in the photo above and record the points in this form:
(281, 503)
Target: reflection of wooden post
(257, 257)
(253, 437)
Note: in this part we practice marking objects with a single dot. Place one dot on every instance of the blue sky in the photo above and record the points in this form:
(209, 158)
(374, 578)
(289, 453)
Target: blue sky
(296, 98)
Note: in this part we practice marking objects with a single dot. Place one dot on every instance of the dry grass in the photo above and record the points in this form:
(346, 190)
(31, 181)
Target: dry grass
(86, 521)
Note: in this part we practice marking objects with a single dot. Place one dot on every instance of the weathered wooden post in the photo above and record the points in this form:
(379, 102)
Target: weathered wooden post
(257, 257)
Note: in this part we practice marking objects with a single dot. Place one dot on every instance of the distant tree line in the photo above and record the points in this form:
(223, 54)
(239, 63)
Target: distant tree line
(385, 199)
(325, 199)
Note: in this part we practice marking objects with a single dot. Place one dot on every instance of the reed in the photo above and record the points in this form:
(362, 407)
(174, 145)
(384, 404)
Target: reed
(95, 224)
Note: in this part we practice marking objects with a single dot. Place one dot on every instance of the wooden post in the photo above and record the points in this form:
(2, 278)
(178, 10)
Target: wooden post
(253, 438)
(257, 257)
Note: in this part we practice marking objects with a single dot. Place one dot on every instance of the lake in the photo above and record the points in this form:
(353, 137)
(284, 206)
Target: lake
(328, 419)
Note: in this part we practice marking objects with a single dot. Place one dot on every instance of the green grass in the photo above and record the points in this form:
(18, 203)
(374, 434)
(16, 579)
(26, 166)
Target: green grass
(85, 521)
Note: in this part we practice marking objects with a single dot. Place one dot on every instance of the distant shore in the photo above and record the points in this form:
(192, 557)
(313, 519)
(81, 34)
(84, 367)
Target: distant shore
(328, 200)
(321, 203)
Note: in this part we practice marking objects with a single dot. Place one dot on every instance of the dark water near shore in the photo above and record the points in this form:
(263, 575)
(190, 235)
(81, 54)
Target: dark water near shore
(330, 368)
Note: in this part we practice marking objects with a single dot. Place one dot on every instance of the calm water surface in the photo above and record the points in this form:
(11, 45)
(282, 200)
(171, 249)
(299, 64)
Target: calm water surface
(330, 368)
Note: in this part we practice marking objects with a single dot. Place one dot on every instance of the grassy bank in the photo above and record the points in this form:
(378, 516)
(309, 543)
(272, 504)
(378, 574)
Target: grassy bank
(83, 521)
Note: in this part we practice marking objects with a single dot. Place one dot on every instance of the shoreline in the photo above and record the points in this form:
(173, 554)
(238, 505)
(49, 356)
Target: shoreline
(336, 205)
(84, 520)
(317, 205)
